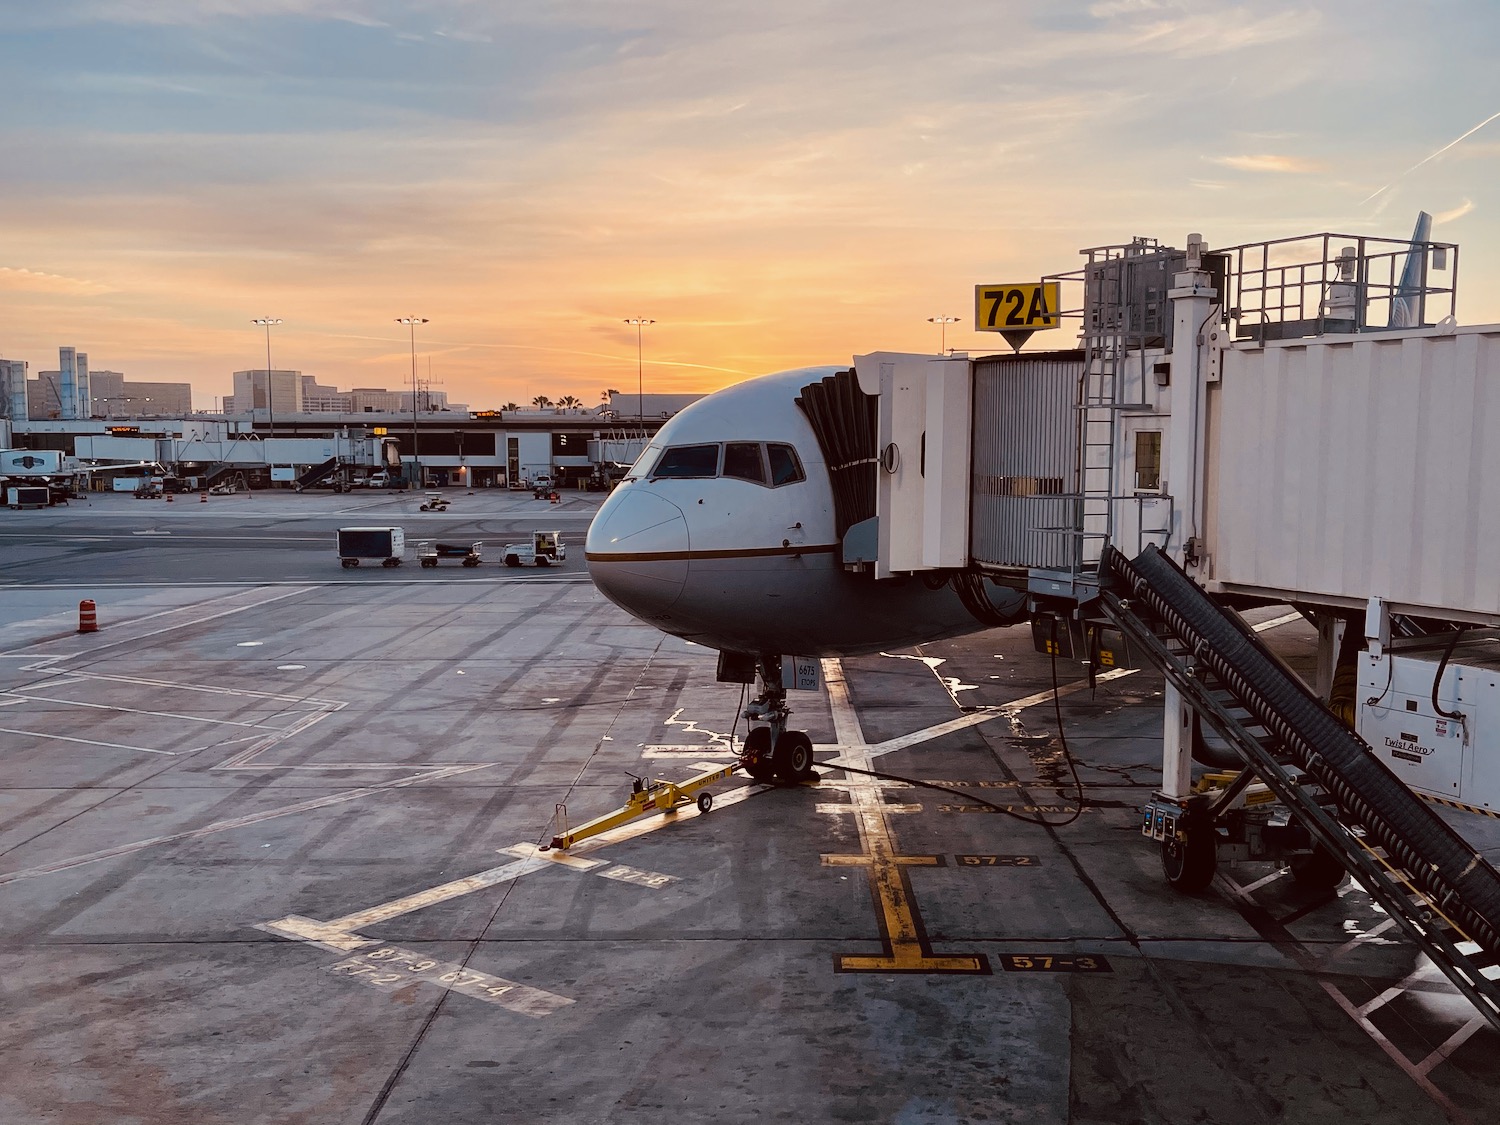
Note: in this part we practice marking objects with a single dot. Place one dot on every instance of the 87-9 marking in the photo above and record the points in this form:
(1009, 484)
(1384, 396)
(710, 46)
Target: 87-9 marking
(391, 967)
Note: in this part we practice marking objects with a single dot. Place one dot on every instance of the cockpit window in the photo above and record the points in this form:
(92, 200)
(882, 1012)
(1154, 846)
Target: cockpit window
(688, 461)
(785, 468)
(742, 461)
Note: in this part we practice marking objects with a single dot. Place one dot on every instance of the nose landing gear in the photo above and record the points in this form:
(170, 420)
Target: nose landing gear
(772, 752)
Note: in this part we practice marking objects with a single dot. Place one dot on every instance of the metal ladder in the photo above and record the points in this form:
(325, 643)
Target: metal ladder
(1431, 910)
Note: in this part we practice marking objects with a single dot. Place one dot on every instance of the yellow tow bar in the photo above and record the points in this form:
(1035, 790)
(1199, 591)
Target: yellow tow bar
(649, 795)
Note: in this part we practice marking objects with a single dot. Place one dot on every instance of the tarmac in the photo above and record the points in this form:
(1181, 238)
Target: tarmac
(269, 852)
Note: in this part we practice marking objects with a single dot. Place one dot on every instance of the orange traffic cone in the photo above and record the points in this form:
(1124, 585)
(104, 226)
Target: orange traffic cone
(88, 621)
(203, 497)
(169, 498)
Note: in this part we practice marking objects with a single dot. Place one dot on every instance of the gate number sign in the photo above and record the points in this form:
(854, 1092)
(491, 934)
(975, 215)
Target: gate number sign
(1009, 308)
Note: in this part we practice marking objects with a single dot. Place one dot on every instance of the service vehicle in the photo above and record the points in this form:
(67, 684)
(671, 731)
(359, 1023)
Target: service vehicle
(543, 549)
(27, 496)
(387, 544)
(428, 553)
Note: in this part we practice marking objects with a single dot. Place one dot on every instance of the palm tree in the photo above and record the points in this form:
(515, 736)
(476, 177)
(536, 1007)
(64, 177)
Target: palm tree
(510, 406)
(569, 401)
(541, 402)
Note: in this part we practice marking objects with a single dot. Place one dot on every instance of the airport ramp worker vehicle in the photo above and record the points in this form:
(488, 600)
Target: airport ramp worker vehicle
(387, 544)
(27, 496)
(429, 553)
(544, 549)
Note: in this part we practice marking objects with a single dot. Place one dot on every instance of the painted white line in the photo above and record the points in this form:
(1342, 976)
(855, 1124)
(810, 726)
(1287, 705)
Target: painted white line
(433, 895)
(89, 742)
(153, 714)
(561, 858)
(246, 756)
(236, 822)
(199, 618)
(316, 933)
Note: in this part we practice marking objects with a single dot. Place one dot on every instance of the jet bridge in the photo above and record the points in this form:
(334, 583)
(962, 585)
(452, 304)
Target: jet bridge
(1297, 422)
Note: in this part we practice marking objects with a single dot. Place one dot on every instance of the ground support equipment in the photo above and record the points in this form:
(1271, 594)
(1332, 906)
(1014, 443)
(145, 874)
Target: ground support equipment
(1441, 892)
(647, 796)
(428, 554)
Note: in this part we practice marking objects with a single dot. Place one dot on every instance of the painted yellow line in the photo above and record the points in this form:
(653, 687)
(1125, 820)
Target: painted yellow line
(902, 934)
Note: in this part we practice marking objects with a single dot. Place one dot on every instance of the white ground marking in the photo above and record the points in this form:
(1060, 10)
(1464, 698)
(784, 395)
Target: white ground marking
(390, 967)
(238, 822)
(94, 742)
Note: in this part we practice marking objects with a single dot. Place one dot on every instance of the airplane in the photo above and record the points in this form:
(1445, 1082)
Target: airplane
(728, 532)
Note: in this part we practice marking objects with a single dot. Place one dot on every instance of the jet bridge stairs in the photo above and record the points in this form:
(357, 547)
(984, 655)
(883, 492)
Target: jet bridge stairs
(1443, 894)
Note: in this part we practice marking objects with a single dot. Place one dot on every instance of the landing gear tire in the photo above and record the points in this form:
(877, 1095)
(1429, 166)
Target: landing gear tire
(705, 802)
(792, 759)
(1319, 870)
(757, 754)
(1189, 863)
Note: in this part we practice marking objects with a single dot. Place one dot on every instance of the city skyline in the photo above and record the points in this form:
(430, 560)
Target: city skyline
(773, 186)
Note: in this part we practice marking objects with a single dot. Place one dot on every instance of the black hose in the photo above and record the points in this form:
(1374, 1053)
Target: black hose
(1437, 679)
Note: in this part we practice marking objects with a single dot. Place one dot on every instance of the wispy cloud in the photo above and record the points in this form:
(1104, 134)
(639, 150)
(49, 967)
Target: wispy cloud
(25, 280)
(1464, 208)
(1269, 162)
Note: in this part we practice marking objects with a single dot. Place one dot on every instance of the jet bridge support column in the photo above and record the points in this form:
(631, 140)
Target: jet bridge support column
(1193, 304)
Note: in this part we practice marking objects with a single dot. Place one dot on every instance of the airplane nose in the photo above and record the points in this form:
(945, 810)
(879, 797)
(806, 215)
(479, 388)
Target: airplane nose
(637, 551)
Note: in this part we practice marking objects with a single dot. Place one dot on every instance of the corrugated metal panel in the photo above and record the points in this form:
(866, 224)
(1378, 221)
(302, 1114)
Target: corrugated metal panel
(1361, 469)
(1025, 452)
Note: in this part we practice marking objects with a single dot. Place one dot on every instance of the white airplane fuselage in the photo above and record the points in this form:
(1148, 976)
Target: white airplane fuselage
(745, 566)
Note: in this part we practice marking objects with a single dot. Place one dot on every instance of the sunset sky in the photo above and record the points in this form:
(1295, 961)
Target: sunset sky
(776, 183)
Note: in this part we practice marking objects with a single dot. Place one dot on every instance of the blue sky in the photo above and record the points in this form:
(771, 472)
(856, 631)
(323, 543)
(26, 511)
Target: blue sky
(775, 183)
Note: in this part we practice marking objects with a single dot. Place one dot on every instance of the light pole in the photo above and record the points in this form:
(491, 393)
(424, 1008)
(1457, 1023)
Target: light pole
(266, 322)
(411, 323)
(943, 322)
(640, 396)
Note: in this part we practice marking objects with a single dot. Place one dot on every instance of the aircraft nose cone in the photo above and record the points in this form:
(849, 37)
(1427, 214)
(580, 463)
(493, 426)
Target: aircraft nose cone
(637, 551)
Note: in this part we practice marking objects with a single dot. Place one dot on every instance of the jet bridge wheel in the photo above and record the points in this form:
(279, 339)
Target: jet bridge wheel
(757, 754)
(792, 760)
(1189, 861)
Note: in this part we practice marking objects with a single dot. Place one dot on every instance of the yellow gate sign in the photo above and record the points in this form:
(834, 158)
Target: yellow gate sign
(1025, 307)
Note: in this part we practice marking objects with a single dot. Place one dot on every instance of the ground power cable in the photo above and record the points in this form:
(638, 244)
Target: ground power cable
(974, 798)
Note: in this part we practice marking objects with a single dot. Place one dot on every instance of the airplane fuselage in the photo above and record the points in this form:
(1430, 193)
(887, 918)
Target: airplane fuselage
(692, 544)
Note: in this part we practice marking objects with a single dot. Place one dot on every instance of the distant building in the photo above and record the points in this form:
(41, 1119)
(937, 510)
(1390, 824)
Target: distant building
(13, 390)
(313, 397)
(273, 391)
(627, 406)
(114, 396)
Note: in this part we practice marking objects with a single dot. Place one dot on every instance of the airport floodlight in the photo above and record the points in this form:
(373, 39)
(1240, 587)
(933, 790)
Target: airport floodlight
(942, 322)
(411, 323)
(640, 396)
(266, 322)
